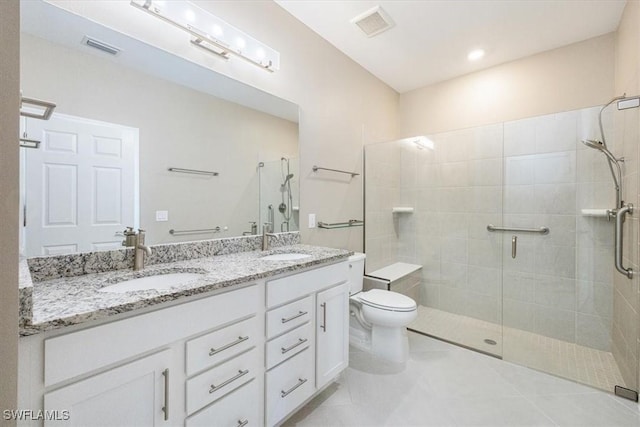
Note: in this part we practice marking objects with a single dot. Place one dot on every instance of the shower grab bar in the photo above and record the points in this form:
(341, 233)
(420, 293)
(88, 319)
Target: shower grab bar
(193, 171)
(539, 230)
(317, 168)
(626, 209)
(200, 231)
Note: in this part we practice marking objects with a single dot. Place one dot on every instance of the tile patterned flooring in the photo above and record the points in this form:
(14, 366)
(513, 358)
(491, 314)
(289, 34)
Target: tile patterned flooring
(583, 364)
(446, 385)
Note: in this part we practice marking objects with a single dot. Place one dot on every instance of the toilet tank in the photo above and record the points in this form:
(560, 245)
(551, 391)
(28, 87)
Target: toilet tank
(356, 272)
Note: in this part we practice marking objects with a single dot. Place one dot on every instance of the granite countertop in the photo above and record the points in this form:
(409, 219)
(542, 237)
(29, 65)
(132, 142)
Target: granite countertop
(68, 301)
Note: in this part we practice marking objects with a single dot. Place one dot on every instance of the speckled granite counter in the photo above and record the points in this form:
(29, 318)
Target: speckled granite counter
(66, 301)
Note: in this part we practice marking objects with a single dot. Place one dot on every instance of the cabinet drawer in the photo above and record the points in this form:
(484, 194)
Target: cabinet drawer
(77, 353)
(295, 286)
(289, 344)
(214, 347)
(289, 385)
(290, 316)
(217, 382)
(241, 407)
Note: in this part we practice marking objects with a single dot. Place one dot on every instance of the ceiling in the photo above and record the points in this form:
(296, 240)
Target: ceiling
(431, 38)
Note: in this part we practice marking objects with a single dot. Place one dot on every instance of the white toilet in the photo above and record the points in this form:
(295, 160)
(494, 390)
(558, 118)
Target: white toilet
(379, 317)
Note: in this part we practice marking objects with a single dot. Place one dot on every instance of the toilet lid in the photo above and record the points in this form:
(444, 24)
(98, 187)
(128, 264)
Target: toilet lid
(387, 300)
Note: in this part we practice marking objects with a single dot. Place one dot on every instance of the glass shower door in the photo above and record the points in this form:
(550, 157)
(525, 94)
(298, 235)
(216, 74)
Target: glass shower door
(558, 286)
(453, 185)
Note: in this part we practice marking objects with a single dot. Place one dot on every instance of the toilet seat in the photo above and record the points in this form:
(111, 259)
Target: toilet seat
(387, 300)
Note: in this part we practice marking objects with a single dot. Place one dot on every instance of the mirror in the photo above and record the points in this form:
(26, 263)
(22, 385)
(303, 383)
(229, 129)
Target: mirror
(146, 139)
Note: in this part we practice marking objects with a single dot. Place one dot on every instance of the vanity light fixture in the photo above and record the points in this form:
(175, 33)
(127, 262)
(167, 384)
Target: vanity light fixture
(211, 33)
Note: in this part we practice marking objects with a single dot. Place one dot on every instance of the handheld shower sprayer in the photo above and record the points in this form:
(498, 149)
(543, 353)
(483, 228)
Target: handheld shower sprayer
(613, 163)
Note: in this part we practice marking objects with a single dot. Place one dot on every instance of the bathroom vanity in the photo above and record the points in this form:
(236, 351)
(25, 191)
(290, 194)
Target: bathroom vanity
(247, 343)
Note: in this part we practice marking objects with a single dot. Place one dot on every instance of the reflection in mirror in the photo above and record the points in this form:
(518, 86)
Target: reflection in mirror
(279, 189)
(122, 123)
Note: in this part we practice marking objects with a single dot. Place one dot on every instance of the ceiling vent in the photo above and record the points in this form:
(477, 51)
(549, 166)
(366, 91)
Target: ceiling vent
(373, 21)
(100, 45)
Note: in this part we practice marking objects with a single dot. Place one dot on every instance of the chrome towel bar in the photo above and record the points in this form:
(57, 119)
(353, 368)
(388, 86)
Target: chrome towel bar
(193, 171)
(317, 168)
(539, 230)
(29, 143)
(200, 231)
(350, 223)
(44, 115)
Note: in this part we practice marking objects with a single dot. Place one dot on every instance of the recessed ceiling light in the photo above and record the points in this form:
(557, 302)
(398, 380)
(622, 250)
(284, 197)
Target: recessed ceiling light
(475, 54)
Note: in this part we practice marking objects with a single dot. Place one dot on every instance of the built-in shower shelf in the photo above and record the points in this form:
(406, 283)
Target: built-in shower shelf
(402, 209)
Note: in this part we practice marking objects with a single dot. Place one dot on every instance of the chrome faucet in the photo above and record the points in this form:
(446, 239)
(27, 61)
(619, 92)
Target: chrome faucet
(266, 232)
(254, 229)
(136, 240)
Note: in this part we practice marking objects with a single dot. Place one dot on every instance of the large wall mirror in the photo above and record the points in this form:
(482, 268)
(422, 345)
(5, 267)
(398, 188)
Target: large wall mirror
(144, 139)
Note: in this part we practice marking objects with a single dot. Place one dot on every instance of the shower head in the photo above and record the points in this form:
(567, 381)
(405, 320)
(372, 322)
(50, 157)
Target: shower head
(613, 162)
(592, 143)
(287, 179)
(598, 145)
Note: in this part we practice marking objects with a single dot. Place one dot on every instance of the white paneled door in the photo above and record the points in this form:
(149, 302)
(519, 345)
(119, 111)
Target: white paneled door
(80, 185)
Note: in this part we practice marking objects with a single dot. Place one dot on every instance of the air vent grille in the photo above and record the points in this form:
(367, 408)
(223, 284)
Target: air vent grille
(373, 21)
(100, 45)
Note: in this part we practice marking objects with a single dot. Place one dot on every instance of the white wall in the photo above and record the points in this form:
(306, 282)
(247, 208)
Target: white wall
(342, 105)
(568, 78)
(9, 107)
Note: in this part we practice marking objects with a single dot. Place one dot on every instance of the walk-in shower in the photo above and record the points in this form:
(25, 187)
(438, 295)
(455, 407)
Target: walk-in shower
(512, 225)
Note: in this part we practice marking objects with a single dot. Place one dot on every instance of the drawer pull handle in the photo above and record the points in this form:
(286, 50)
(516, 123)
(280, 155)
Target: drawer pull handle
(165, 408)
(300, 314)
(242, 423)
(224, 347)
(300, 382)
(229, 381)
(288, 349)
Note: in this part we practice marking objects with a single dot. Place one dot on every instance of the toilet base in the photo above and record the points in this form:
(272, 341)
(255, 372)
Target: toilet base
(391, 344)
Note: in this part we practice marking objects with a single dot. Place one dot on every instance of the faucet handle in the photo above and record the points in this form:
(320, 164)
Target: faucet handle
(128, 231)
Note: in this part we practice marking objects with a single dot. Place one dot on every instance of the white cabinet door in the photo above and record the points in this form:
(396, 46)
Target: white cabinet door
(135, 394)
(332, 333)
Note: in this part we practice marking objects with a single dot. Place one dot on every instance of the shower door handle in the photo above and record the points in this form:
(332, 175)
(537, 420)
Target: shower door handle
(514, 246)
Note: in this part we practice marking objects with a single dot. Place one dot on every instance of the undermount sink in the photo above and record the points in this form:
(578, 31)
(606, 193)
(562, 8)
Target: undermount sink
(285, 257)
(158, 282)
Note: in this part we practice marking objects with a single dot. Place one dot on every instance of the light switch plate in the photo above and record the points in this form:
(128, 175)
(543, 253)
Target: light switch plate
(162, 216)
(312, 220)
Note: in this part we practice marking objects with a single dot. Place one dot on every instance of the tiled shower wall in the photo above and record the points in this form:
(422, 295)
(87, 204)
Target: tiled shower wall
(559, 285)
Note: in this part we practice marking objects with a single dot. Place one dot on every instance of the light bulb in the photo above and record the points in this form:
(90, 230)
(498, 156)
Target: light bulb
(475, 54)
